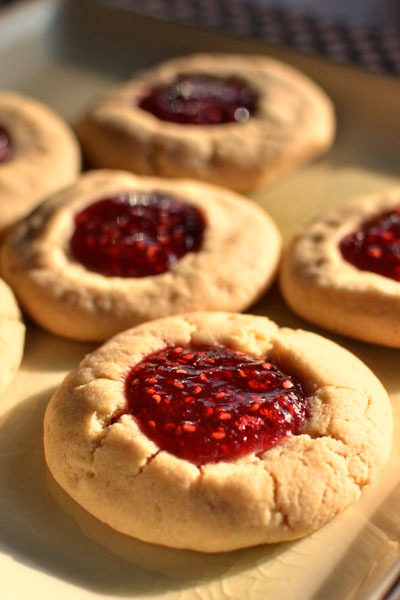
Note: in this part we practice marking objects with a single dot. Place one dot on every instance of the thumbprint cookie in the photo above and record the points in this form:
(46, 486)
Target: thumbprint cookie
(342, 270)
(115, 249)
(233, 120)
(216, 431)
(39, 154)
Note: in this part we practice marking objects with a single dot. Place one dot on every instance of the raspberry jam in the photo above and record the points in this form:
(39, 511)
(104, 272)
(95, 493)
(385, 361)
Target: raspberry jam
(5, 146)
(136, 234)
(376, 245)
(198, 99)
(213, 404)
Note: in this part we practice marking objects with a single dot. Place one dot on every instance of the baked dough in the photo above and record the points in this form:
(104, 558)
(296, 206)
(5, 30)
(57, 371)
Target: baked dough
(323, 288)
(97, 452)
(294, 122)
(235, 265)
(12, 336)
(45, 156)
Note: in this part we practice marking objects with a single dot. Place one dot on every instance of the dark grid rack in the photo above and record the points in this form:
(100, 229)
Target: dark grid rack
(376, 49)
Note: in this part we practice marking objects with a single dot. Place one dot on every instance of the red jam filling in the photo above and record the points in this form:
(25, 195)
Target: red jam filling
(5, 146)
(376, 245)
(198, 99)
(136, 234)
(213, 404)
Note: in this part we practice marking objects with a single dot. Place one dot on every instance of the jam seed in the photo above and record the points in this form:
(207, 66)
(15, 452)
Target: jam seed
(151, 252)
(224, 416)
(287, 384)
(218, 435)
(189, 427)
(375, 252)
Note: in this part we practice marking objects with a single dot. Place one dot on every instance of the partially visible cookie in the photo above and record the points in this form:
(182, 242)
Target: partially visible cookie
(215, 431)
(234, 120)
(39, 154)
(12, 336)
(342, 270)
(114, 250)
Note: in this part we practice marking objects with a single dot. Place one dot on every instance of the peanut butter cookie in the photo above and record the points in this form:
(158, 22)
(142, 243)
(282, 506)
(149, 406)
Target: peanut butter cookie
(342, 270)
(115, 249)
(39, 154)
(215, 431)
(234, 120)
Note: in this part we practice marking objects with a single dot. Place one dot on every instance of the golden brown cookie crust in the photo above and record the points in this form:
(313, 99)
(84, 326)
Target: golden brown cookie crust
(294, 123)
(46, 156)
(105, 462)
(236, 264)
(322, 287)
(12, 336)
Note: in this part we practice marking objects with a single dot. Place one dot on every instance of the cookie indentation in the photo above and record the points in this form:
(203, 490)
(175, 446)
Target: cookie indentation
(214, 404)
(6, 145)
(136, 234)
(375, 246)
(200, 99)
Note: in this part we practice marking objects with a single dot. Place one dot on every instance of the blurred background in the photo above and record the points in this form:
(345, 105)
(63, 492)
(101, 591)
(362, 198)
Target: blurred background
(357, 12)
(365, 33)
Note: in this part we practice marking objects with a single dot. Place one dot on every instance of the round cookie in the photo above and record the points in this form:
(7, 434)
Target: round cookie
(39, 154)
(102, 432)
(286, 120)
(236, 258)
(324, 287)
(12, 336)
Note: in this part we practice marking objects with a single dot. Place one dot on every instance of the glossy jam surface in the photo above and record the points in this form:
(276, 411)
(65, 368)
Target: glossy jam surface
(376, 245)
(198, 99)
(6, 150)
(136, 234)
(213, 404)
